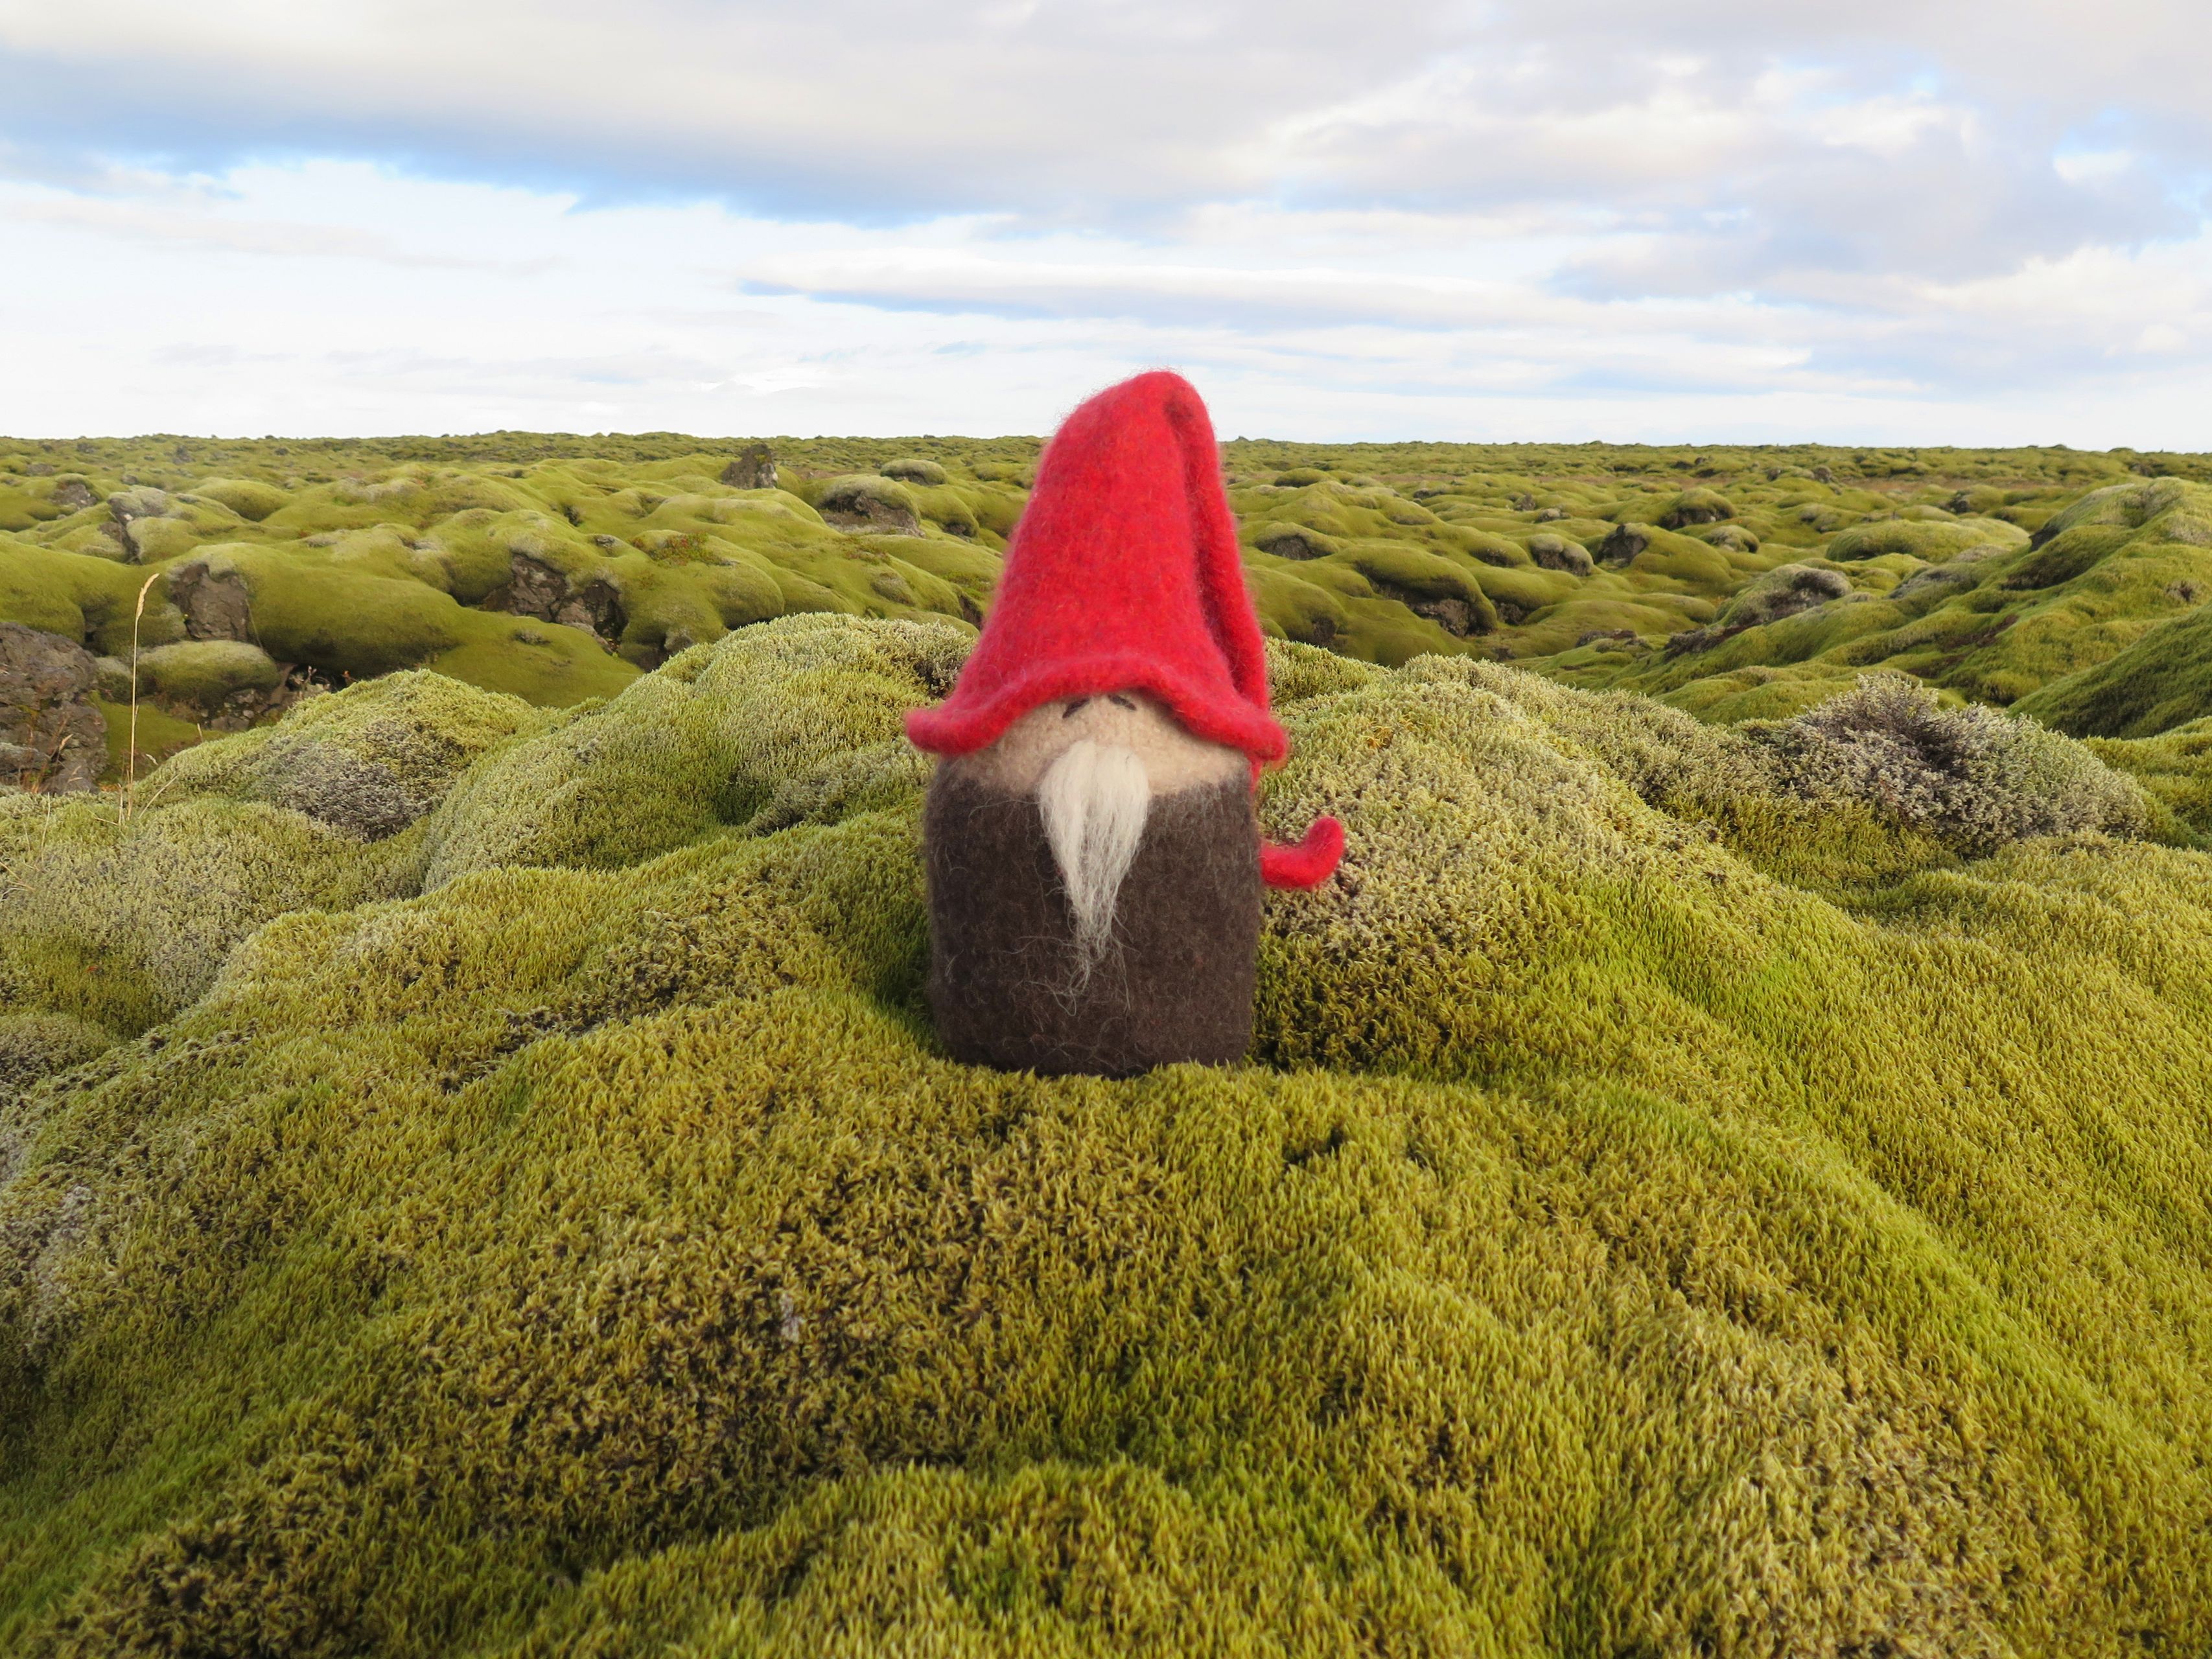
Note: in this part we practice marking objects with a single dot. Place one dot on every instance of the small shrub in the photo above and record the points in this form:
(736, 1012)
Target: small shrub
(1973, 776)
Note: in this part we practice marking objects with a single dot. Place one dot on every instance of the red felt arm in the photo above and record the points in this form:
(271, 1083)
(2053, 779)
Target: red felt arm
(1309, 864)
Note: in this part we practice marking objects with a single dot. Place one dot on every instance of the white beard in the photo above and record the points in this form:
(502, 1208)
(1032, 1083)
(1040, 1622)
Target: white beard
(1095, 799)
(1094, 765)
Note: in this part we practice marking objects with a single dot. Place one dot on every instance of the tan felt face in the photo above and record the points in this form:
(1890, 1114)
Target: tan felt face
(1174, 760)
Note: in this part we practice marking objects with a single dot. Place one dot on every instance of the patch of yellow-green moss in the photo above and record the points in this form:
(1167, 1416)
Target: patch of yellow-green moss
(1608, 566)
(1675, 1203)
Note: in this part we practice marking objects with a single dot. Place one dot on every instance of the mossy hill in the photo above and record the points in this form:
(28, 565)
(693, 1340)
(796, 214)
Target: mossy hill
(477, 1179)
(1734, 583)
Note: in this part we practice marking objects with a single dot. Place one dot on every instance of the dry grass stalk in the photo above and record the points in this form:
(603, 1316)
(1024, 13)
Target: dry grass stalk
(130, 759)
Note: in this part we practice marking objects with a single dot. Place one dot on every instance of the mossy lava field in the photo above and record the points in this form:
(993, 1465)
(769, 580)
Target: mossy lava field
(1725, 1168)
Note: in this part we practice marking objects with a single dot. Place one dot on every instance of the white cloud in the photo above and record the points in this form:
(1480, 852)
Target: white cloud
(1409, 216)
(158, 227)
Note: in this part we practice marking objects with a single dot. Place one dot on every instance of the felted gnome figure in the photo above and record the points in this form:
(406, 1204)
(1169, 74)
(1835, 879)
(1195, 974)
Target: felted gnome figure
(1095, 863)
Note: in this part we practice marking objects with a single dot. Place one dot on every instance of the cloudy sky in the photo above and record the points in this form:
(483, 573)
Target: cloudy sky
(1947, 221)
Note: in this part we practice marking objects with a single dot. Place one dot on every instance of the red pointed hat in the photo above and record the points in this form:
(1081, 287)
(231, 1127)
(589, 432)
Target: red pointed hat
(1123, 575)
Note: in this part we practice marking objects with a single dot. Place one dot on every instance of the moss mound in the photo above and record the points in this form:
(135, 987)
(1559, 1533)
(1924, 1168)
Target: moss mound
(2162, 681)
(2173, 769)
(369, 760)
(1998, 621)
(251, 499)
(1932, 541)
(869, 502)
(912, 469)
(202, 676)
(1667, 1210)
(556, 568)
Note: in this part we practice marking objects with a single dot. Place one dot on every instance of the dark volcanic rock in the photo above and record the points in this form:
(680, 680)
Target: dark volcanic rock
(215, 603)
(753, 469)
(126, 506)
(853, 504)
(52, 736)
(1557, 553)
(1625, 542)
(1293, 541)
(535, 588)
(1457, 616)
(1461, 616)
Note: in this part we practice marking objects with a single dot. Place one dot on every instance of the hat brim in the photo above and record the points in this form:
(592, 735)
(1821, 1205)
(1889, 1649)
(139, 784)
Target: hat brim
(962, 726)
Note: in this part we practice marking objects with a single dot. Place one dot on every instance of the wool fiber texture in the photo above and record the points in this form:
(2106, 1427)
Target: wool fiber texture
(1094, 801)
(1124, 575)
(1013, 982)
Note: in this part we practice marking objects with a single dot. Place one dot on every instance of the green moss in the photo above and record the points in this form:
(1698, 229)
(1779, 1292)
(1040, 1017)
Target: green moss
(249, 498)
(369, 760)
(315, 605)
(683, 555)
(1786, 590)
(865, 500)
(1688, 508)
(201, 676)
(2162, 681)
(124, 926)
(542, 663)
(160, 734)
(912, 469)
(1293, 541)
(1663, 1210)
(2174, 768)
(661, 764)
(1933, 542)
(36, 1045)
(1292, 608)
(414, 496)
(471, 555)
(2131, 506)
(90, 600)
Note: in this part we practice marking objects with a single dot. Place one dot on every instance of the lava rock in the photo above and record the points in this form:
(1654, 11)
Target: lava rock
(753, 469)
(52, 737)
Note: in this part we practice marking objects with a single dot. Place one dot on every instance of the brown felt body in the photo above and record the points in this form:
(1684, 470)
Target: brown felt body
(1175, 985)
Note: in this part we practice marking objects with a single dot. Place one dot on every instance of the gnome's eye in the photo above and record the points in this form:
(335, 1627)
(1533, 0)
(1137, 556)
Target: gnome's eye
(1068, 712)
(1120, 701)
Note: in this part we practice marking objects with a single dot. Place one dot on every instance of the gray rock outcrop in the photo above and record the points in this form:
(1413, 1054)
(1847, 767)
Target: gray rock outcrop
(535, 588)
(52, 737)
(753, 469)
(215, 603)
